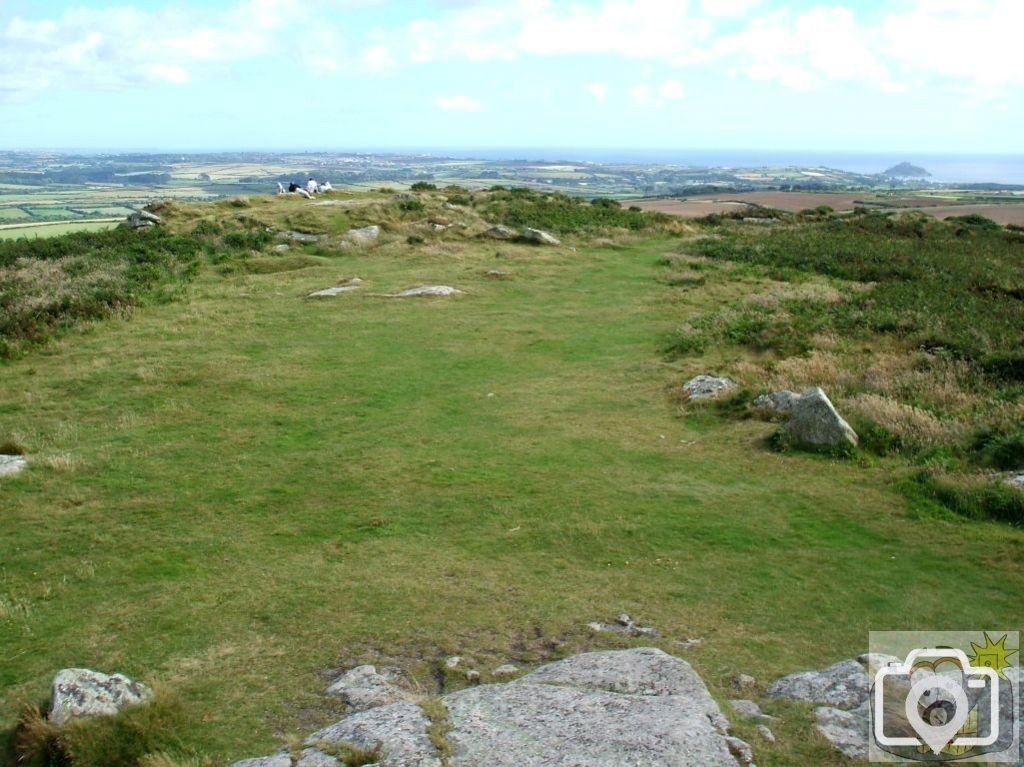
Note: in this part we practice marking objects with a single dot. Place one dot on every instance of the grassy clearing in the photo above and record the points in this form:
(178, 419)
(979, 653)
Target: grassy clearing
(229, 496)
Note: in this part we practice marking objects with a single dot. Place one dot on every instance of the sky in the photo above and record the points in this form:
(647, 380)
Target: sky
(934, 76)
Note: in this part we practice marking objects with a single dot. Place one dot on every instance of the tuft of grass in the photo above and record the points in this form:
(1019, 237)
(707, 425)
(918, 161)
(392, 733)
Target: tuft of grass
(124, 740)
(438, 729)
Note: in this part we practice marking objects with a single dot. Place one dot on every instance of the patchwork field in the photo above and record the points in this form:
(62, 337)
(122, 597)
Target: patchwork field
(231, 493)
(943, 205)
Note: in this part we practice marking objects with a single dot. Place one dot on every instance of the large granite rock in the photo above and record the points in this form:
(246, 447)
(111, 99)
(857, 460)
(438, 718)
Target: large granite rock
(627, 708)
(79, 693)
(815, 423)
(602, 709)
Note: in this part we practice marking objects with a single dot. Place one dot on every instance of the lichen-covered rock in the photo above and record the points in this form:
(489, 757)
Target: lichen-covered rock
(846, 730)
(539, 237)
(11, 464)
(79, 693)
(363, 688)
(398, 731)
(531, 725)
(708, 387)
(781, 402)
(815, 423)
(843, 685)
(748, 708)
(301, 236)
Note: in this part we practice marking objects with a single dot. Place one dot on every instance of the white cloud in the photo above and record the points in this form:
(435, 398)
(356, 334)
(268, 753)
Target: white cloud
(727, 8)
(671, 90)
(641, 94)
(598, 90)
(458, 104)
(122, 46)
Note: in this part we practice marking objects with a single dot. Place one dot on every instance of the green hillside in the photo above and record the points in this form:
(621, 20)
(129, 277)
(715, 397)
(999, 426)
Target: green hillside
(233, 488)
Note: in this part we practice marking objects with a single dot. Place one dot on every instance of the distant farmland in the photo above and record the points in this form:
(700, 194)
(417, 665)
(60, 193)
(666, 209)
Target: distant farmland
(1009, 212)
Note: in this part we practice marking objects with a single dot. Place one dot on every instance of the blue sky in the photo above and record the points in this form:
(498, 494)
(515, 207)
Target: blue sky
(911, 75)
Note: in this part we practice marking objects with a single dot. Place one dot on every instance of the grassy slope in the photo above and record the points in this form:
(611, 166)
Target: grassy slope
(231, 495)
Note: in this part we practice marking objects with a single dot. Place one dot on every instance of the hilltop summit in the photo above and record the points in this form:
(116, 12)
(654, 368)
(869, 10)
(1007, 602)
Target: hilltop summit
(906, 170)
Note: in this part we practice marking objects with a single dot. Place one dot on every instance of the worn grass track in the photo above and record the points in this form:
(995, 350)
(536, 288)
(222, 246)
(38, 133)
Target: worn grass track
(231, 494)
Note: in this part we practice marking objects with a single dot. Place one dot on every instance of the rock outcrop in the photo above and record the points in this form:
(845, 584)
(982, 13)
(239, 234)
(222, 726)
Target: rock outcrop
(539, 237)
(708, 387)
(781, 402)
(143, 219)
(600, 709)
(815, 423)
(79, 693)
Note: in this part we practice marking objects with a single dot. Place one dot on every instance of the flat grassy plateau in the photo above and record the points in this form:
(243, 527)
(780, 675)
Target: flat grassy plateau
(234, 489)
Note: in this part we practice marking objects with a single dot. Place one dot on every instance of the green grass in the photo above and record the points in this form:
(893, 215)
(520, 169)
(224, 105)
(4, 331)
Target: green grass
(54, 230)
(230, 495)
(13, 214)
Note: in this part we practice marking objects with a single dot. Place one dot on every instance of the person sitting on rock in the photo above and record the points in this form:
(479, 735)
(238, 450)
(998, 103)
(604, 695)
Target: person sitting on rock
(280, 188)
(311, 185)
(325, 187)
(293, 187)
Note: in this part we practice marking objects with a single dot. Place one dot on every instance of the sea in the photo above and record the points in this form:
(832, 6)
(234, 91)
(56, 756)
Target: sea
(944, 168)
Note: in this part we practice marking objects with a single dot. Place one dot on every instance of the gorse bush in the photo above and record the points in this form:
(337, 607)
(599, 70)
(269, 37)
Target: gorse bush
(936, 288)
(46, 284)
(565, 215)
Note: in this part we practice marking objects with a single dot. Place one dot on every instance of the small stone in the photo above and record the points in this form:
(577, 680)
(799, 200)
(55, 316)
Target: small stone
(624, 620)
(453, 662)
(748, 708)
(506, 670)
(741, 750)
(301, 236)
(365, 234)
(473, 675)
(427, 290)
(708, 387)
(11, 464)
(766, 733)
(284, 247)
(743, 682)
(80, 693)
(362, 688)
(720, 722)
(689, 644)
(1015, 480)
(781, 402)
(333, 291)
